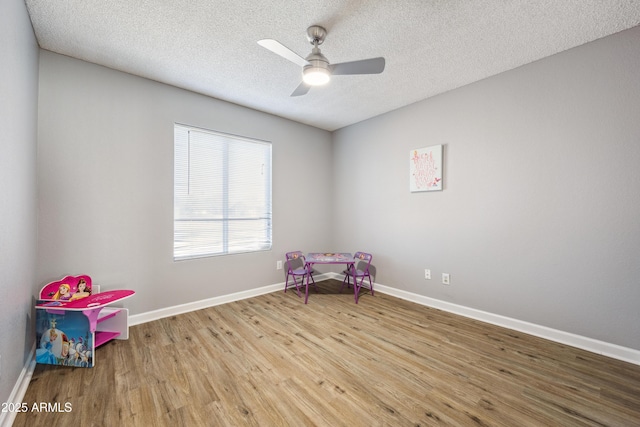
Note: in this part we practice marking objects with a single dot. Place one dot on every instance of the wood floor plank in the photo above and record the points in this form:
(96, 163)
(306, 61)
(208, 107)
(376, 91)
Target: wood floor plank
(274, 361)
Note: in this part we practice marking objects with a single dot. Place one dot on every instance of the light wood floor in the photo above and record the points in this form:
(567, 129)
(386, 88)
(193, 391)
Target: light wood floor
(272, 361)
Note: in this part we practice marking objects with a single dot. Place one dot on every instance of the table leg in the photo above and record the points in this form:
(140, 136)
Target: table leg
(92, 315)
(356, 290)
(306, 291)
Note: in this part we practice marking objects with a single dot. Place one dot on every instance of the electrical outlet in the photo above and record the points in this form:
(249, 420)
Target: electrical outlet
(278, 265)
(427, 274)
(445, 279)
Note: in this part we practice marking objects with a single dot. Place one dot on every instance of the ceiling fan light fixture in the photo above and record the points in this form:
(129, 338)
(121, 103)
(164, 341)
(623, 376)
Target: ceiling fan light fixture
(315, 76)
(316, 68)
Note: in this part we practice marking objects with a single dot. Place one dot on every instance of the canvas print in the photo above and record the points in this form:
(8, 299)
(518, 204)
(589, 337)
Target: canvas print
(425, 168)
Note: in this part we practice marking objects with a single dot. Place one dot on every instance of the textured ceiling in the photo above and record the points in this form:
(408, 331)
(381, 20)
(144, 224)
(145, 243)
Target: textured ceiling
(430, 46)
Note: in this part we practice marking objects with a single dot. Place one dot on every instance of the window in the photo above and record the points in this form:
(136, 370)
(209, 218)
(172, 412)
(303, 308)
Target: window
(222, 194)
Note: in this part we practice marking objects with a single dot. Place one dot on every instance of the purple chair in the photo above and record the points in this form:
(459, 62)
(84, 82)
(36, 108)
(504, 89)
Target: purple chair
(297, 267)
(362, 264)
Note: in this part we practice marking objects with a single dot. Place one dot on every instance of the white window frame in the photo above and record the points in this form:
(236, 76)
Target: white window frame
(211, 169)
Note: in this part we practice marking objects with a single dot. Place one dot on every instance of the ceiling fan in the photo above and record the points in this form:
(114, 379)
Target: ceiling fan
(316, 69)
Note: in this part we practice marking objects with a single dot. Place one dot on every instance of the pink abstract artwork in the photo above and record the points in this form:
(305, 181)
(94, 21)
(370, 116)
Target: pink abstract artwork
(425, 165)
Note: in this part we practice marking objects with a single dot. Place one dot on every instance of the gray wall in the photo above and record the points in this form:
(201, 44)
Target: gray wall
(105, 163)
(539, 219)
(18, 116)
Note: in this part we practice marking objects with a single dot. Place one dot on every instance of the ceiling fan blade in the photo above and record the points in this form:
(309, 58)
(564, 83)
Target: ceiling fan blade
(302, 89)
(279, 49)
(365, 66)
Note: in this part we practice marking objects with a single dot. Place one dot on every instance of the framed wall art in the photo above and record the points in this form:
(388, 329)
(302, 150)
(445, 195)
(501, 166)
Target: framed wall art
(425, 169)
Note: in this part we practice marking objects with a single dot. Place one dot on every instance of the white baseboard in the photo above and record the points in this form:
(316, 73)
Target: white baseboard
(595, 346)
(20, 388)
(137, 319)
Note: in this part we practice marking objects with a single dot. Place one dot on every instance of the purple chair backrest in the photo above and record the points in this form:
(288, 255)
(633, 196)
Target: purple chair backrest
(363, 260)
(295, 260)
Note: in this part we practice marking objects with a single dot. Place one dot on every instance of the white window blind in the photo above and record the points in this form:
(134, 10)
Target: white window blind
(222, 194)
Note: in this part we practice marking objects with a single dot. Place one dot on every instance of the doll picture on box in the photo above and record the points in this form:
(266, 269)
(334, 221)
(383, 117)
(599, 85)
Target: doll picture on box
(64, 339)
